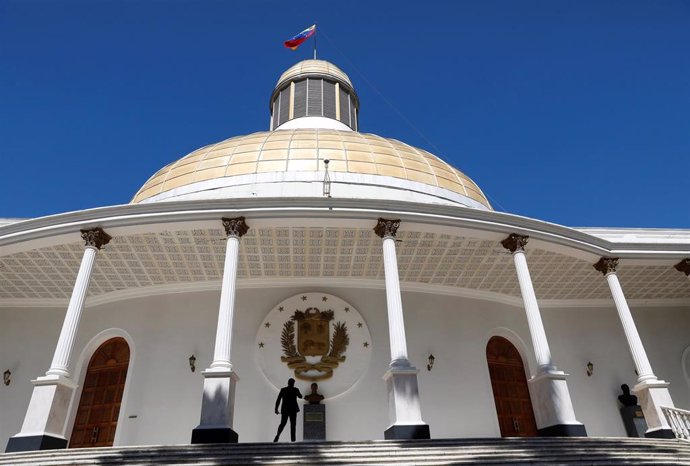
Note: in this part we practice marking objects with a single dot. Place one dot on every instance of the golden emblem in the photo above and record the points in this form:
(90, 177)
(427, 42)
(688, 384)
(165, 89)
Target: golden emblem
(313, 339)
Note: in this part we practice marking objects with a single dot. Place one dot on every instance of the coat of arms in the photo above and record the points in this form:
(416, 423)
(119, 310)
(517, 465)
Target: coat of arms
(313, 340)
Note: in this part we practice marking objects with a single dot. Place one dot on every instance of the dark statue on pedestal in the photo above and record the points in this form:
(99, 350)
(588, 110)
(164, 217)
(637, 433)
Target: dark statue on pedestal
(633, 418)
(314, 415)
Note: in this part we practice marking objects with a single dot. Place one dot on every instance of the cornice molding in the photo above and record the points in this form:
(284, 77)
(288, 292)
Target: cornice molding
(141, 218)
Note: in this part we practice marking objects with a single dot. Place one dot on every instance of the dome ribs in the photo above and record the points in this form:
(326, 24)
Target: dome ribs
(302, 151)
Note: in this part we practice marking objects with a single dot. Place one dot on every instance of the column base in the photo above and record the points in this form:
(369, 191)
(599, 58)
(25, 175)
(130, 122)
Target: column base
(46, 417)
(35, 443)
(563, 430)
(553, 409)
(214, 435)
(217, 408)
(403, 404)
(660, 433)
(407, 432)
(652, 395)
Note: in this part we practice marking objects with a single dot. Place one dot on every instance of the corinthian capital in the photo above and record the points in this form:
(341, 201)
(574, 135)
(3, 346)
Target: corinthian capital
(386, 227)
(607, 265)
(683, 266)
(96, 237)
(515, 242)
(235, 226)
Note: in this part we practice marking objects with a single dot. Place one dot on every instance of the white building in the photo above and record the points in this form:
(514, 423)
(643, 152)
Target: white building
(150, 311)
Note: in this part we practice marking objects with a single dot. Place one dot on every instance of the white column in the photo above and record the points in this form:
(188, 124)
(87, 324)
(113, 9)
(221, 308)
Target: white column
(403, 392)
(553, 409)
(639, 355)
(396, 324)
(218, 401)
(63, 351)
(226, 310)
(653, 393)
(542, 352)
(46, 417)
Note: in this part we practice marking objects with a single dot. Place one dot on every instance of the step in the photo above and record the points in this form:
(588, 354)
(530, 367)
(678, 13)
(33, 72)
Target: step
(551, 451)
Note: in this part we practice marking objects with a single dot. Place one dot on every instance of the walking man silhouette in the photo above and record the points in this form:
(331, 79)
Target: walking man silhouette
(289, 409)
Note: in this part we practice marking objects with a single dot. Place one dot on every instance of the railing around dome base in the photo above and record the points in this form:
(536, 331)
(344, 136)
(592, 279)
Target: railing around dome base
(679, 419)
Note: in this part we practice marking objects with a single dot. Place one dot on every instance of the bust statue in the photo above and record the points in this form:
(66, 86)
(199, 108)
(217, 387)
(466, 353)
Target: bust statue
(626, 398)
(314, 398)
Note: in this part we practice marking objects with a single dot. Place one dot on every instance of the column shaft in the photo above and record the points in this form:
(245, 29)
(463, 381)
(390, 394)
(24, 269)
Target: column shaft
(644, 368)
(218, 399)
(396, 325)
(536, 328)
(221, 354)
(65, 345)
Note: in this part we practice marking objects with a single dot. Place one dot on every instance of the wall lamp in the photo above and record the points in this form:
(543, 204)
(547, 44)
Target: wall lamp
(192, 363)
(6, 377)
(590, 369)
(431, 362)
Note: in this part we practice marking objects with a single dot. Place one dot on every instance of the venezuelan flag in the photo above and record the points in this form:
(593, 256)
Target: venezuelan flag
(296, 41)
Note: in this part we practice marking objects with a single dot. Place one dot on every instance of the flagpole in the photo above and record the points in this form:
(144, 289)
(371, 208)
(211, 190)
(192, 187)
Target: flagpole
(314, 41)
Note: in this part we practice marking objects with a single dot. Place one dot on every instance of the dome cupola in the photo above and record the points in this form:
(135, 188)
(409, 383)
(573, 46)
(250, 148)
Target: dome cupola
(314, 94)
(314, 110)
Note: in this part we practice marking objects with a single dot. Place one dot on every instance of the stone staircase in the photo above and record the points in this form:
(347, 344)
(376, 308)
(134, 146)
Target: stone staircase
(495, 451)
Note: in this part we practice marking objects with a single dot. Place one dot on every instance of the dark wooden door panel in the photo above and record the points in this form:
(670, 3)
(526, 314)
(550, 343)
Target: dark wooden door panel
(99, 405)
(509, 385)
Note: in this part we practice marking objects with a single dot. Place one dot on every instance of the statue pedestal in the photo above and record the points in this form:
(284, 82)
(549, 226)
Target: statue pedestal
(314, 422)
(633, 420)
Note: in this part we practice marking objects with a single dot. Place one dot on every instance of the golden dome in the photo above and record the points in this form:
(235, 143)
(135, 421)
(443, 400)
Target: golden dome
(303, 150)
(311, 68)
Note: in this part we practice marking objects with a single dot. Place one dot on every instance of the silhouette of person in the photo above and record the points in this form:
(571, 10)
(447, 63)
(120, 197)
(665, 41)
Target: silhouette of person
(289, 409)
(626, 398)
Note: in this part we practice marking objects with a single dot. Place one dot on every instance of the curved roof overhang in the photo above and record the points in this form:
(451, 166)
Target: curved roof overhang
(444, 250)
(583, 243)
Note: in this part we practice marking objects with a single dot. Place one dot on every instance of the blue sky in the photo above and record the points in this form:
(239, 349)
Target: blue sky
(574, 112)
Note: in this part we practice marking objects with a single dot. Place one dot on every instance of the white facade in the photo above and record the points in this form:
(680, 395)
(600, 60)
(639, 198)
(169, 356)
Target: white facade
(174, 282)
(164, 394)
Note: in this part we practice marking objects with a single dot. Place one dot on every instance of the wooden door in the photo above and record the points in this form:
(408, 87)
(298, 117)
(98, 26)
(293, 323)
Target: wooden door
(99, 406)
(509, 384)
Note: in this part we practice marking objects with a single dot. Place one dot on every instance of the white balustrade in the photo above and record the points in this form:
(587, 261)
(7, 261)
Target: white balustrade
(679, 419)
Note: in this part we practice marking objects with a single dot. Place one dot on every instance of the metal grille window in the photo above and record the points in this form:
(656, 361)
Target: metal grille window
(314, 97)
(275, 113)
(345, 107)
(284, 105)
(329, 99)
(300, 109)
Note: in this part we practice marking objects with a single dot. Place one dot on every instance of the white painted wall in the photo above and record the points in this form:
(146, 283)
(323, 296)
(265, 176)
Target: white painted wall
(165, 396)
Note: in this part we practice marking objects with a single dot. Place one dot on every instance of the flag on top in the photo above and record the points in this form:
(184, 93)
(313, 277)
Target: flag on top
(296, 41)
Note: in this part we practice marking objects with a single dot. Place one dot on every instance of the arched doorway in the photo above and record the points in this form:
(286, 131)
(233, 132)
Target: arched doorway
(99, 405)
(509, 384)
